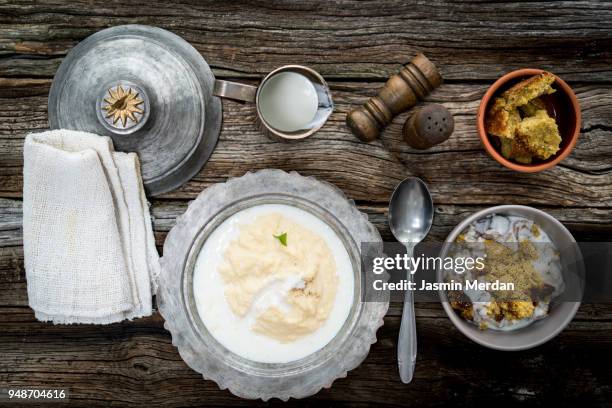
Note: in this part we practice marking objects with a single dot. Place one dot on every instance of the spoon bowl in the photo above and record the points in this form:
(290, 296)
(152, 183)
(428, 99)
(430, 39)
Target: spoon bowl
(410, 211)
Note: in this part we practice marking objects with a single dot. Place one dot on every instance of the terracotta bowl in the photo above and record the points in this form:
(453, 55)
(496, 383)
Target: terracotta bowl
(562, 105)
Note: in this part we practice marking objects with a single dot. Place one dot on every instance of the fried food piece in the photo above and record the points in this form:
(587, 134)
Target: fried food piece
(465, 310)
(515, 149)
(502, 120)
(532, 107)
(514, 310)
(521, 309)
(529, 89)
(535, 134)
(503, 117)
(540, 134)
(462, 304)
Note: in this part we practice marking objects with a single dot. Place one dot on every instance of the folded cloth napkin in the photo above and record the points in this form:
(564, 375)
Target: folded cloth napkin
(89, 249)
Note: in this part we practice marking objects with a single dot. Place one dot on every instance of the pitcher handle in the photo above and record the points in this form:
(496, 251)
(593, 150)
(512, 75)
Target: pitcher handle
(235, 90)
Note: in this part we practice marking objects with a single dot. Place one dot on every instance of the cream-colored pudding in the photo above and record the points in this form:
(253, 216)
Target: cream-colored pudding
(273, 283)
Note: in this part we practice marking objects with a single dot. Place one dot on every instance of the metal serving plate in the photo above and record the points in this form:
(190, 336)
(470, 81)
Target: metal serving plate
(205, 354)
(179, 125)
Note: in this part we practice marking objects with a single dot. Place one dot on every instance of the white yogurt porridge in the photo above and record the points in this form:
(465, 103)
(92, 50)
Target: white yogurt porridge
(517, 250)
(273, 283)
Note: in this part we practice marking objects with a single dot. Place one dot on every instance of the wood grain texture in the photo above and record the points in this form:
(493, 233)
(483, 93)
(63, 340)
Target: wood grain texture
(458, 171)
(586, 224)
(135, 363)
(341, 39)
(356, 46)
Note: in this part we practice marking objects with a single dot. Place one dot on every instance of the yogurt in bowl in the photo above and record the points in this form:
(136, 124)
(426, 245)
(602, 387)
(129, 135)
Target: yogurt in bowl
(560, 295)
(516, 250)
(273, 283)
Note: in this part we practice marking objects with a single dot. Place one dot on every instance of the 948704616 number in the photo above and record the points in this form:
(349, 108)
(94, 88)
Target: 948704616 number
(20, 394)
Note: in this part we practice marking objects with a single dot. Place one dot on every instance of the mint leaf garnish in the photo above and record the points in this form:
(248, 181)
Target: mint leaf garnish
(282, 238)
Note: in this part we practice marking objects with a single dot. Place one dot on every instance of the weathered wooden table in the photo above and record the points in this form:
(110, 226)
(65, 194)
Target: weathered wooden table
(356, 46)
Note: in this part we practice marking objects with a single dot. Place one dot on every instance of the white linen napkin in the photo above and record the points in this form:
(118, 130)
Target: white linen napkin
(89, 249)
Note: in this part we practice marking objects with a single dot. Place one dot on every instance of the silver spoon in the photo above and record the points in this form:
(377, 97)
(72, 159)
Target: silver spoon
(410, 218)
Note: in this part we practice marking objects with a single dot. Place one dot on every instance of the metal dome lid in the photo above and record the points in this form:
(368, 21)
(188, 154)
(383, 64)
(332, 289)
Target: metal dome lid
(150, 91)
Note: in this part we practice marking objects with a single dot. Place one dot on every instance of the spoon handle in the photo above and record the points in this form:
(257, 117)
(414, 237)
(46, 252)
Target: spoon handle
(407, 342)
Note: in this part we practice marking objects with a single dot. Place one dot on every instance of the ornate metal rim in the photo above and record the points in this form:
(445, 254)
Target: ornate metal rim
(245, 378)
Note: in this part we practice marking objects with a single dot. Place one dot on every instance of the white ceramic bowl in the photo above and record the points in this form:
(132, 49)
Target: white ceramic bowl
(561, 313)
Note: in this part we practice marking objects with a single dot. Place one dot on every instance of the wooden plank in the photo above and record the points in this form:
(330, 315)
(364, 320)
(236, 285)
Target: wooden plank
(458, 171)
(593, 224)
(342, 39)
(135, 363)
(587, 224)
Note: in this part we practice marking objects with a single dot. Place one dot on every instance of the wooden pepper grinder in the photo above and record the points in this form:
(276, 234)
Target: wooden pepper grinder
(401, 92)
